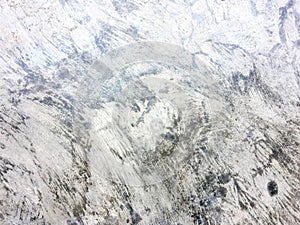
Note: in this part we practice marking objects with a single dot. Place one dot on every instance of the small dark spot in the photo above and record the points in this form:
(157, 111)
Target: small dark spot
(252, 204)
(135, 217)
(2, 146)
(78, 211)
(224, 178)
(48, 101)
(148, 210)
(272, 188)
(204, 202)
(135, 108)
(86, 57)
(170, 137)
(196, 217)
(218, 209)
(260, 171)
(70, 222)
(210, 177)
(221, 192)
(33, 219)
(243, 206)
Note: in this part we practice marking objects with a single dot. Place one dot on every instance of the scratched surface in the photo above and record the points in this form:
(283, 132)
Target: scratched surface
(150, 112)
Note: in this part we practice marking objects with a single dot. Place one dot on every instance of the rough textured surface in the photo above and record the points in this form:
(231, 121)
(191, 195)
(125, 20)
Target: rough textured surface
(150, 112)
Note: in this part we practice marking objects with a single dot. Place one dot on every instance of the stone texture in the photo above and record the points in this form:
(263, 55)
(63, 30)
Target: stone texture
(149, 112)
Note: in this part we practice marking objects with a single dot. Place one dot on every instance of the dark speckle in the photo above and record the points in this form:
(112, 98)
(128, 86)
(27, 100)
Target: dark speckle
(210, 177)
(252, 204)
(135, 108)
(48, 101)
(272, 188)
(135, 217)
(70, 222)
(242, 205)
(221, 192)
(170, 137)
(86, 57)
(204, 202)
(224, 178)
